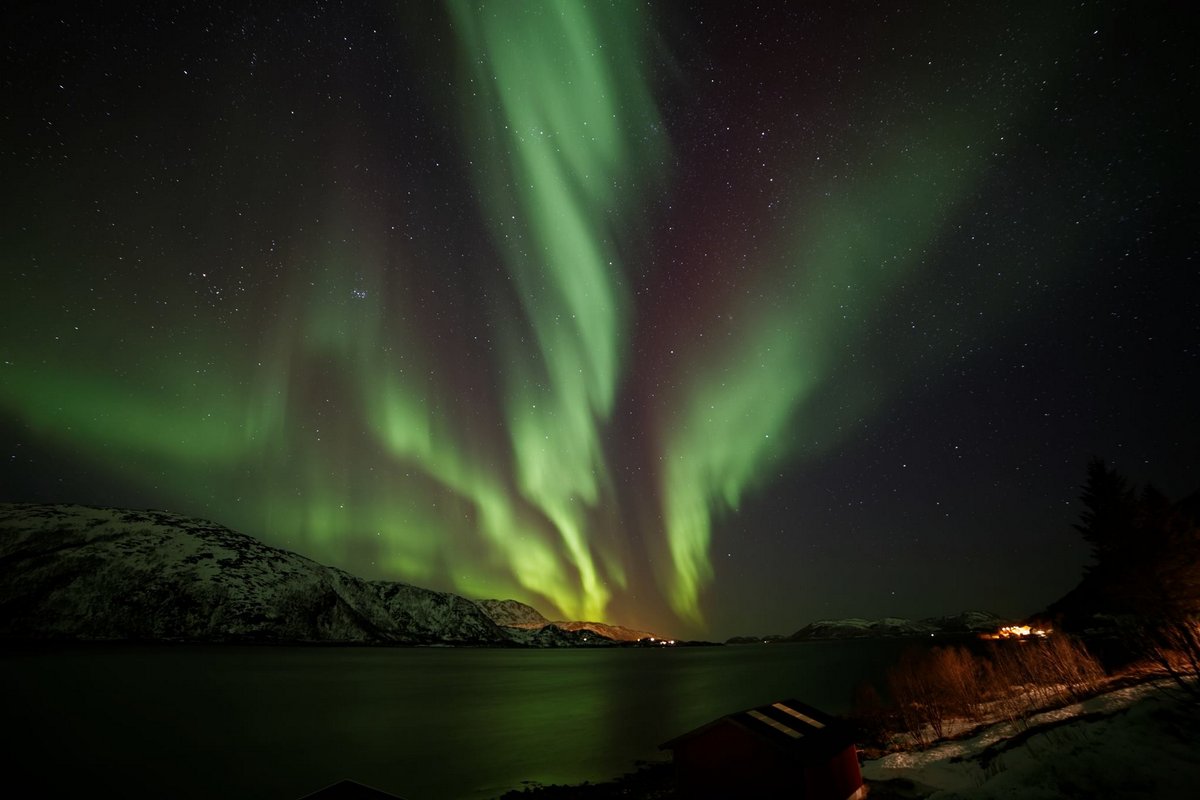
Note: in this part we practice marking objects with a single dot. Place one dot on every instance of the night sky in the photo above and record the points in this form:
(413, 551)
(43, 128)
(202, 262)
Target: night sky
(709, 319)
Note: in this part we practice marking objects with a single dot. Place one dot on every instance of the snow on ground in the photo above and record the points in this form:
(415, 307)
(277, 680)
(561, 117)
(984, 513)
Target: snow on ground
(1140, 741)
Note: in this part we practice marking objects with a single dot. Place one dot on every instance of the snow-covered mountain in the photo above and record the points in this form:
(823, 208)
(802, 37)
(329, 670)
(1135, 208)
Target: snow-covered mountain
(518, 615)
(770, 638)
(553, 636)
(967, 622)
(857, 628)
(80, 572)
(618, 632)
(512, 614)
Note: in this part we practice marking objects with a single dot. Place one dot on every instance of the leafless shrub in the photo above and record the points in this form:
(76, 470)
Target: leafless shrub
(1014, 680)
(955, 675)
(921, 711)
(1008, 683)
(1065, 662)
(1174, 646)
(872, 718)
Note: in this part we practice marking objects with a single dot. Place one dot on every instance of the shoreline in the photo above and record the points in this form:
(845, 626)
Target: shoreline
(1135, 734)
(1136, 738)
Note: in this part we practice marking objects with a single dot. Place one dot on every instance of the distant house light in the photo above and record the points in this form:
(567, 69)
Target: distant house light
(1018, 632)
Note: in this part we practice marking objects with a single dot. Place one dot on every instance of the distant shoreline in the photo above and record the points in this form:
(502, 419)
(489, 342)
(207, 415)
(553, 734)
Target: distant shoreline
(47, 643)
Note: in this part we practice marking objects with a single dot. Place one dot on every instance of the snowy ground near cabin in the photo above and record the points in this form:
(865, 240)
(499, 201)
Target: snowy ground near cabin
(1139, 741)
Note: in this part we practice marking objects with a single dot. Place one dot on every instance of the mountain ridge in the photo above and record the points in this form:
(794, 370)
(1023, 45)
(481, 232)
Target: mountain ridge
(886, 627)
(858, 628)
(514, 614)
(75, 572)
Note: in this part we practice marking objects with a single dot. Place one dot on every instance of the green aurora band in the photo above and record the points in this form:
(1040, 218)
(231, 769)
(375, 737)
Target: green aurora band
(331, 426)
(745, 405)
(561, 117)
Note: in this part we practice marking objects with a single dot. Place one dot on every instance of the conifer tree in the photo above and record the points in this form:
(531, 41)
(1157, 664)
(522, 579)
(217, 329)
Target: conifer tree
(1108, 521)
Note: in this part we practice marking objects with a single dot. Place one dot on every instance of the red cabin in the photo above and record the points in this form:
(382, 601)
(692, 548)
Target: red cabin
(784, 749)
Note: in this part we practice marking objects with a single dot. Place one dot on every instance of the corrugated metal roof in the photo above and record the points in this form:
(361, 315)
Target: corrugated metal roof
(787, 718)
(788, 723)
(350, 790)
(805, 718)
(776, 724)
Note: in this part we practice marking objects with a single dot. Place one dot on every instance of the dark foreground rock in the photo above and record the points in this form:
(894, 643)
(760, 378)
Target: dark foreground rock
(650, 781)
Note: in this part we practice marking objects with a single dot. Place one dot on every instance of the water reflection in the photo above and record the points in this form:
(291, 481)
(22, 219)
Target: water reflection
(425, 723)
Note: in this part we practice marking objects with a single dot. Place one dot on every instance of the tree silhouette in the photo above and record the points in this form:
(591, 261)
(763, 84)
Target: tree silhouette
(1145, 548)
(1110, 512)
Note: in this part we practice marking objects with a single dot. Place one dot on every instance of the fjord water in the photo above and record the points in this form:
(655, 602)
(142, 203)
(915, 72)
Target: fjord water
(425, 723)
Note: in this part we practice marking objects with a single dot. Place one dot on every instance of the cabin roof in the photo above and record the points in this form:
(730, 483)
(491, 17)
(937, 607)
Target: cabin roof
(787, 724)
(350, 790)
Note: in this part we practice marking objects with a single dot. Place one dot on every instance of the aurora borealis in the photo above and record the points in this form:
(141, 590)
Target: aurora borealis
(692, 317)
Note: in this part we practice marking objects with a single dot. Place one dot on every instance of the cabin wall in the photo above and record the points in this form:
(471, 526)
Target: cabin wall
(727, 762)
(836, 779)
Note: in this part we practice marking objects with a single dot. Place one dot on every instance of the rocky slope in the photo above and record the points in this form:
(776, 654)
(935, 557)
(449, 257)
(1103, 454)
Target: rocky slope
(80, 572)
(553, 636)
(967, 622)
(518, 615)
(617, 632)
(512, 614)
(770, 638)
